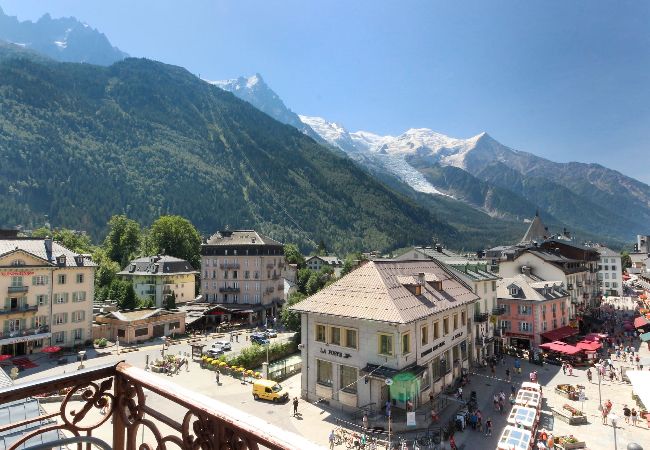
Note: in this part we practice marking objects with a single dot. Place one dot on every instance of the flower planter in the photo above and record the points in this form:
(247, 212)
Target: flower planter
(570, 446)
(568, 418)
(158, 369)
(571, 395)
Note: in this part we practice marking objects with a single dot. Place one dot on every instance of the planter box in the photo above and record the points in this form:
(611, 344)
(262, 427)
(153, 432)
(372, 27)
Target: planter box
(157, 369)
(566, 394)
(571, 446)
(568, 418)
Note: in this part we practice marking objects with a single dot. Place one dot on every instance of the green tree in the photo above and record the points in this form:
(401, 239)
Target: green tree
(106, 270)
(122, 292)
(291, 319)
(175, 236)
(293, 256)
(123, 239)
(170, 301)
(626, 260)
(78, 242)
(350, 262)
(321, 250)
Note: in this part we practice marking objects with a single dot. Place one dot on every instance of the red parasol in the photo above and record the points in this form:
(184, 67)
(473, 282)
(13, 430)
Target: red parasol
(4, 357)
(51, 349)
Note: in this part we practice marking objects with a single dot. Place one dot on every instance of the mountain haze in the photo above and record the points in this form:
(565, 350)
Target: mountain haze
(64, 39)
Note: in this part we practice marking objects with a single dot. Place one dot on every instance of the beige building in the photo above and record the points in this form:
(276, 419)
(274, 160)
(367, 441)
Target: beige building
(388, 330)
(243, 271)
(138, 325)
(156, 277)
(49, 293)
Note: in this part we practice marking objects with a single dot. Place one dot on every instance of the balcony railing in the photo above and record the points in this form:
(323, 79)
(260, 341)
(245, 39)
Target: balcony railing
(229, 265)
(229, 289)
(19, 309)
(481, 341)
(26, 332)
(120, 391)
(498, 310)
(17, 289)
(481, 317)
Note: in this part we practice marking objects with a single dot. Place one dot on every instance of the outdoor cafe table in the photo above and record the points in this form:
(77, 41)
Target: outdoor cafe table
(526, 417)
(528, 399)
(514, 438)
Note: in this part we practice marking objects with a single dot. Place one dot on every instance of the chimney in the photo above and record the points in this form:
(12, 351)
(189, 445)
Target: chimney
(439, 248)
(525, 270)
(421, 278)
(48, 247)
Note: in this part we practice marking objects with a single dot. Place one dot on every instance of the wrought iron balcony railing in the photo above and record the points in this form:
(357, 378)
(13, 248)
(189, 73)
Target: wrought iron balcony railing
(229, 289)
(17, 289)
(119, 390)
(24, 332)
(230, 265)
(19, 309)
(481, 317)
(498, 310)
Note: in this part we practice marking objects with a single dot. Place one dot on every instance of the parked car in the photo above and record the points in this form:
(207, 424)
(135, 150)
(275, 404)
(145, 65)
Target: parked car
(261, 340)
(223, 345)
(214, 352)
(269, 390)
(271, 333)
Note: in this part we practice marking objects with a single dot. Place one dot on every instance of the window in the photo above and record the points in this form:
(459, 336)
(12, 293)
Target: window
(455, 321)
(80, 278)
(41, 299)
(59, 337)
(61, 278)
(60, 318)
(386, 344)
(61, 298)
(320, 333)
(424, 333)
(524, 326)
(335, 335)
(78, 334)
(505, 324)
(350, 338)
(544, 326)
(324, 372)
(16, 281)
(445, 326)
(463, 318)
(406, 343)
(121, 333)
(614, 284)
(436, 330)
(139, 332)
(78, 296)
(40, 321)
(40, 280)
(525, 310)
(349, 379)
(17, 262)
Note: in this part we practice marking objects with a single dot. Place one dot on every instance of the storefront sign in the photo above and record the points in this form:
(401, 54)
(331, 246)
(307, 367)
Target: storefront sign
(410, 419)
(457, 335)
(335, 353)
(17, 273)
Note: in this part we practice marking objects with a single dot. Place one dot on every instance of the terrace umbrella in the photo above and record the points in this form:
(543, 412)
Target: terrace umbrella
(51, 349)
(4, 357)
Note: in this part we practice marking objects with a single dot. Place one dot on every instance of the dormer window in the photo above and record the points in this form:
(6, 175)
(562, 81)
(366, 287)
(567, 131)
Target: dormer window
(60, 260)
(132, 268)
(17, 263)
(513, 291)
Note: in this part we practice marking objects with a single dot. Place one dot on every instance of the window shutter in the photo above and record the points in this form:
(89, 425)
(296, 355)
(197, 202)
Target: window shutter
(22, 324)
(6, 326)
(65, 317)
(83, 315)
(7, 303)
(33, 281)
(65, 296)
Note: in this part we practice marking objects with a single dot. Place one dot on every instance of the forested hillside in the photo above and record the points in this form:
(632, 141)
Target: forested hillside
(81, 143)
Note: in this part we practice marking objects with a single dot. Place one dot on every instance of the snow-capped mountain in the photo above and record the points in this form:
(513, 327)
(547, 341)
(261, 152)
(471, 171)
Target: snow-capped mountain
(255, 91)
(64, 39)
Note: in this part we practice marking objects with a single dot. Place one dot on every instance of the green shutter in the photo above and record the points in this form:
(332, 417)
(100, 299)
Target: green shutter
(6, 326)
(7, 303)
(46, 279)
(65, 317)
(33, 281)
(22, 324)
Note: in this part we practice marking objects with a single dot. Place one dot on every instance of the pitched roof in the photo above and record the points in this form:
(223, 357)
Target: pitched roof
(39, 248)
(157, 265)
(469, 269)
(240, 237)
(138, 314)
(377, 291)
(530, 288)
(536, 231)
(605, 251)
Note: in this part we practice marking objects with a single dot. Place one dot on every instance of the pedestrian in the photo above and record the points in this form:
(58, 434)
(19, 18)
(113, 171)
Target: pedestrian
(564, 368)
(365, 420)
(295, 406)
(513, 390)
(589, 375)
(431, 397)
(493, 368)
(634, 414)
(570, 370)
(387, 408)
(332, 438)
(604, 414)
(508, 375)
(627, 413)
(488, 427)
(409, 405)
(479, 420)
(217, 373)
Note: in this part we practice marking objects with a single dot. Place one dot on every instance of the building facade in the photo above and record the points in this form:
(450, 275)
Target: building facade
(534, 309)
(477, 274)
(610, 272)
(138, 325)
(407, 321)
(243, 272)
(157, 277)
(49, 292)
(316, 263)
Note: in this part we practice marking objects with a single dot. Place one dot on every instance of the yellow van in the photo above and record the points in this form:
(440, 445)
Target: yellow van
(269, 390)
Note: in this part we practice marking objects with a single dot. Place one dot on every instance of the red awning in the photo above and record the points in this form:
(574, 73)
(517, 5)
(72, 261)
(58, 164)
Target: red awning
(560, 333)
(590, 346)
(561, 347)
(51, 349)
(640, 322)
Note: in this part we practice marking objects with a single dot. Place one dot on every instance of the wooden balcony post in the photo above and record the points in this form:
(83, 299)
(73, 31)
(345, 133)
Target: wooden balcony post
(119, 427)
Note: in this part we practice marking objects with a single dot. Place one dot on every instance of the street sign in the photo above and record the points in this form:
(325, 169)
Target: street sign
(388, 381)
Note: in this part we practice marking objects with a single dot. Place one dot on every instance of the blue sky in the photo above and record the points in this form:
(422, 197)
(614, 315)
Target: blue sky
(567, 80)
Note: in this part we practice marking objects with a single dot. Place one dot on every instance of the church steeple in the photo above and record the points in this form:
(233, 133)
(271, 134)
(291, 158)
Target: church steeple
(536, 231)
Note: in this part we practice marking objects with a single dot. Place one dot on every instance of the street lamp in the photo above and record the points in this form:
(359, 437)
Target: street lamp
(82, 353)
(614, 419)
(600, 398)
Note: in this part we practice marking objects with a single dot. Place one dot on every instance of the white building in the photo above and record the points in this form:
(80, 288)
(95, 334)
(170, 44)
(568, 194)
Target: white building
(316, 263)
(610, 272)
(483, 281)
(409, 321)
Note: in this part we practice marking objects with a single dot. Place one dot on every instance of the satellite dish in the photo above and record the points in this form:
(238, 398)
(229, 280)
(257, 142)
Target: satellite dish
(388, 381)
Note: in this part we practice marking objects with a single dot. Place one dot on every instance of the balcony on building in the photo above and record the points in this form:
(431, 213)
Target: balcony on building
(482, 341)
(498, 310)
(135, 401)
(17, 289)
(24, 335)
(19, 309)
(481, 317)
(229, 289)
(230, 265)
